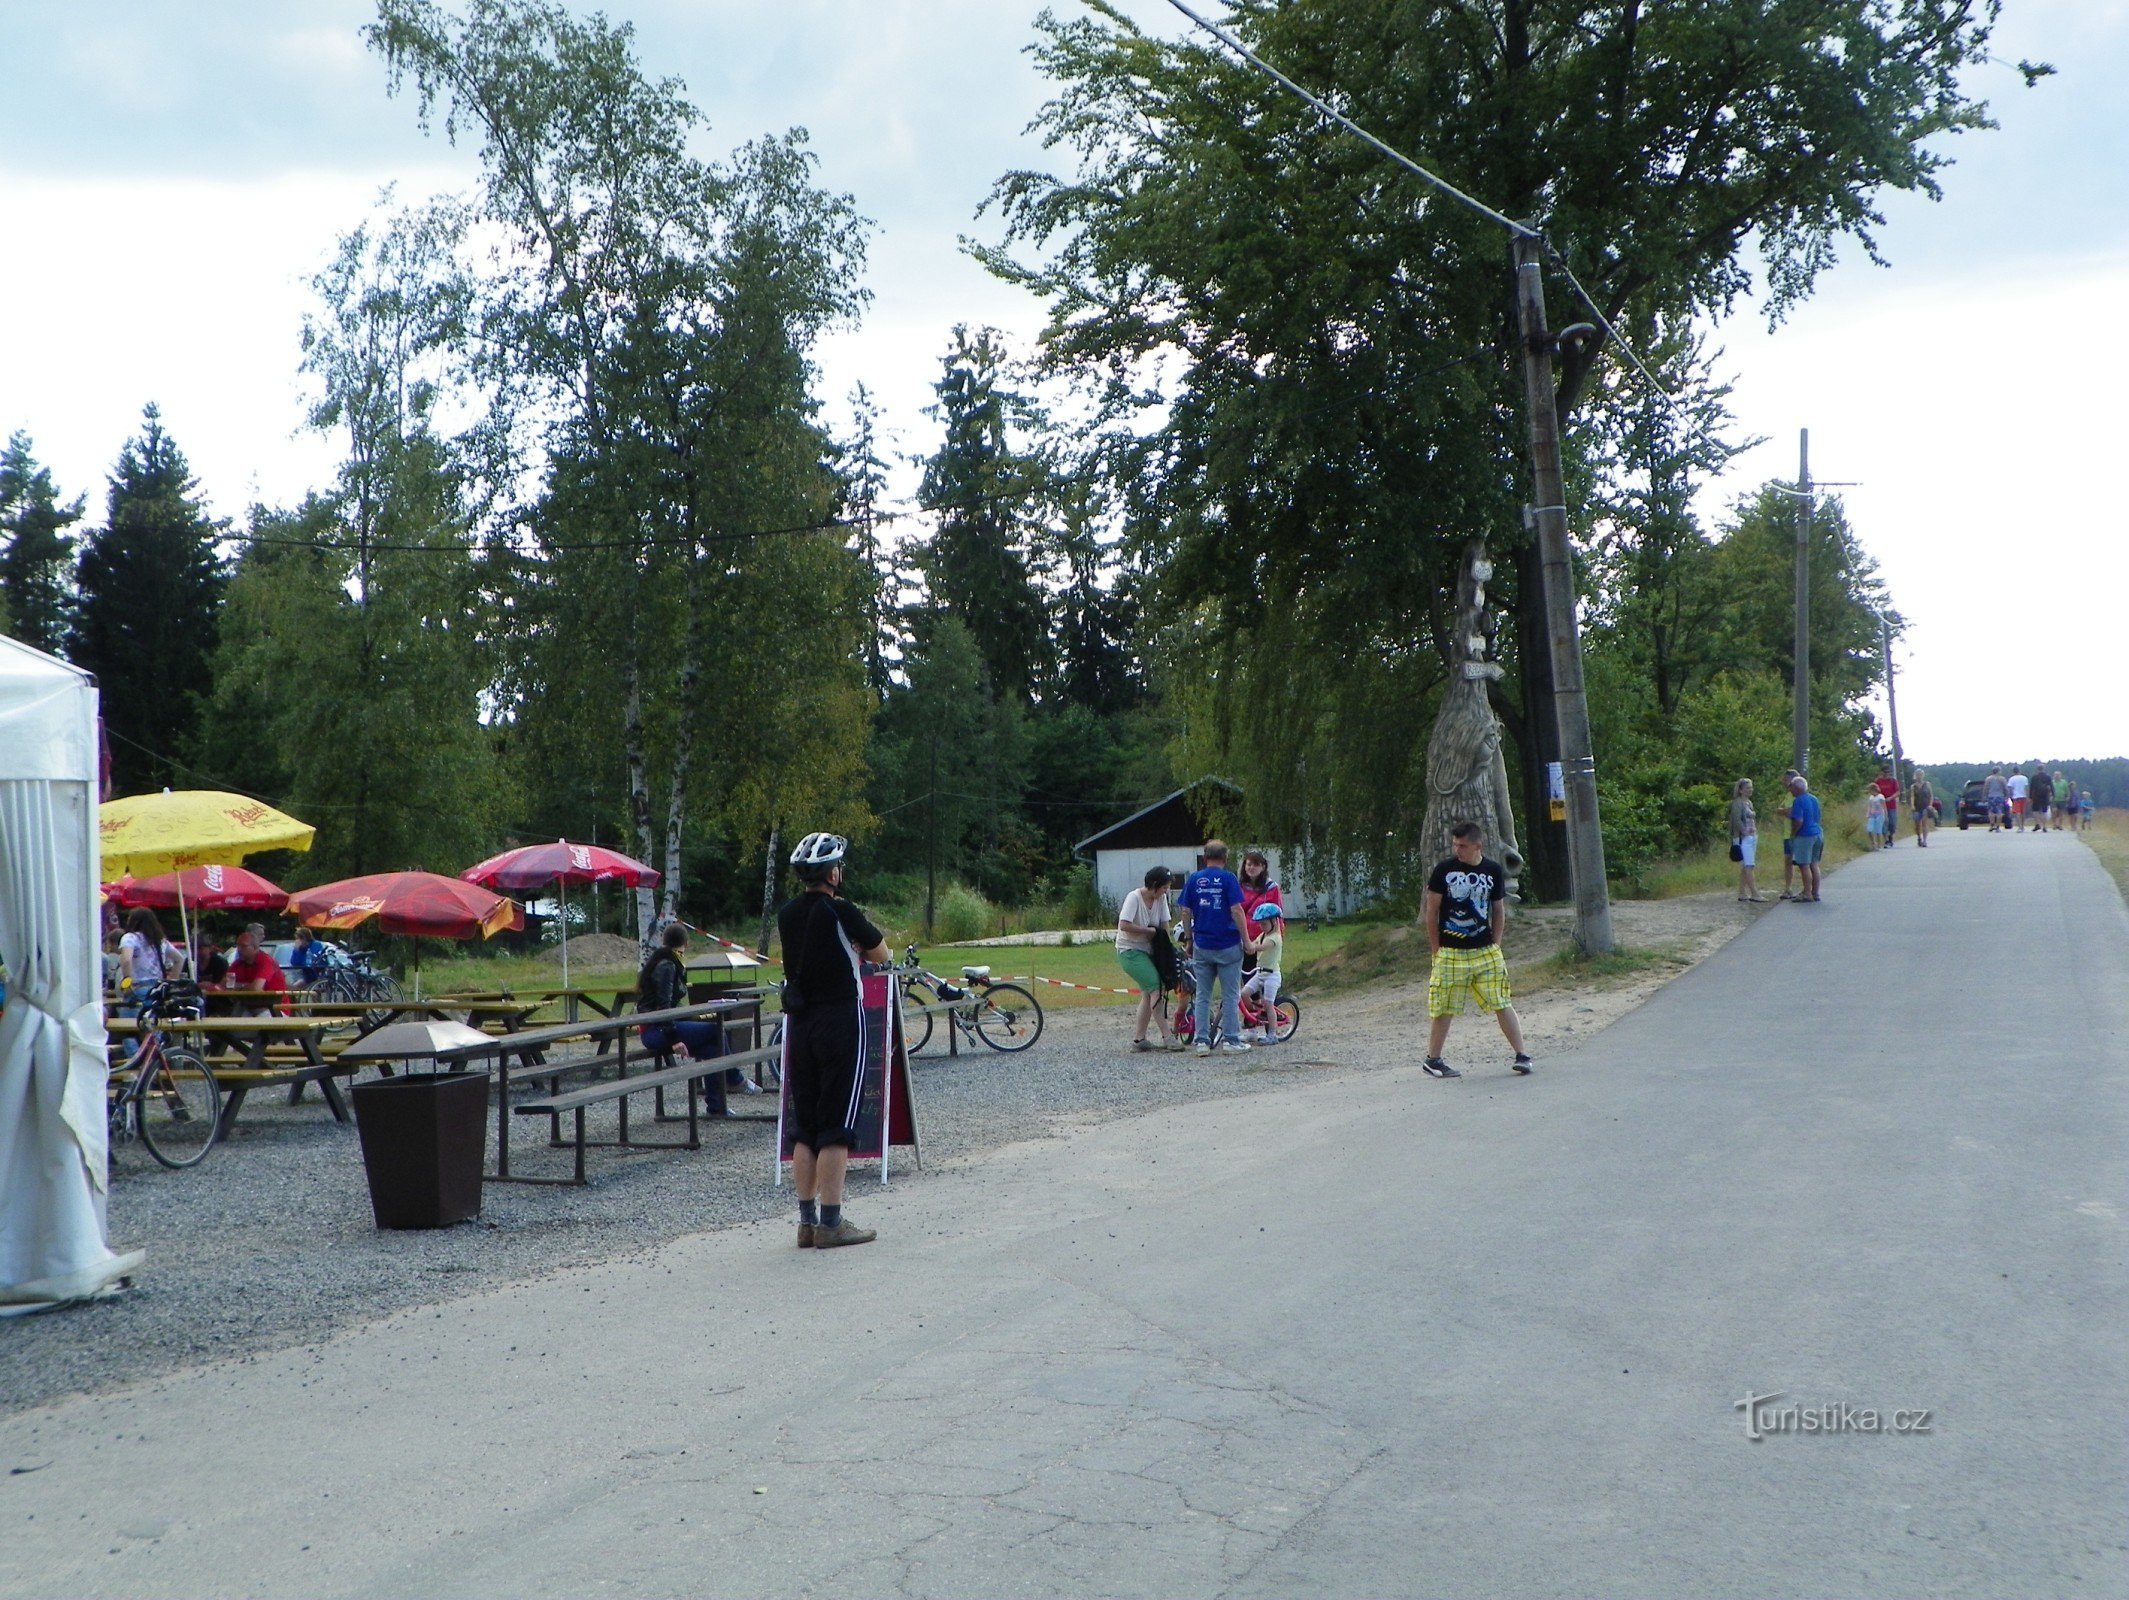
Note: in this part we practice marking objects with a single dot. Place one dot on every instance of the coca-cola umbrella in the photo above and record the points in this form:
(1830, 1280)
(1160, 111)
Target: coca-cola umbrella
(210, 888)
(539, 866)
(426, 905)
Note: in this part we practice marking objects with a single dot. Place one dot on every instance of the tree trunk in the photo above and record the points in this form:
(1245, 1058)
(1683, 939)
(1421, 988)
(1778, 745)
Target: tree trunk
(639, 800)
(768, 890)
(1545, 874)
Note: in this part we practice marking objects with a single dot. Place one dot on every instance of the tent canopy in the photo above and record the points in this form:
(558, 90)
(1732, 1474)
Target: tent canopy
(52, 1072)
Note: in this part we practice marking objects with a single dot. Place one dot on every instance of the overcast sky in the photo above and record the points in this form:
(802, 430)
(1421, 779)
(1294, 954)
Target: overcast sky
(171, 175)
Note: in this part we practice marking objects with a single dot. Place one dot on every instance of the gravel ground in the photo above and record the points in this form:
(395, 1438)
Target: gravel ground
(269, 1242)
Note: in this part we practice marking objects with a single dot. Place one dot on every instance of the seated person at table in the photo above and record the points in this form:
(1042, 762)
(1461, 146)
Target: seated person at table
(308, 959)
(661, 986)
(255, 970)
(212, 965)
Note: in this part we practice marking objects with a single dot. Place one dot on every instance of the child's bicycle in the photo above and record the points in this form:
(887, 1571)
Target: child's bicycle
(1284, 1015)
(164, 1092)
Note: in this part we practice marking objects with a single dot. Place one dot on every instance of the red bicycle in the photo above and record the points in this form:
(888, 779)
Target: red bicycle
(1284, 1015)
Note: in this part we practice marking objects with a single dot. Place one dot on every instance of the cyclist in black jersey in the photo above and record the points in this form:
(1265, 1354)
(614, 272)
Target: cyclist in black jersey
(826, 940)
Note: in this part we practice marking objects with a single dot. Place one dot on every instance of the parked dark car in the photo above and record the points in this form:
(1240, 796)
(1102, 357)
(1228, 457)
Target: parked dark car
(1972, 807)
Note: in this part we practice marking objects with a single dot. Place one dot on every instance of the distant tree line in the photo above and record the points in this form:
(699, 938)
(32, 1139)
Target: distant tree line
(599, 562)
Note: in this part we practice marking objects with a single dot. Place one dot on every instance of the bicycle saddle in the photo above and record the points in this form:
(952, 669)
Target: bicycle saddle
(975, 972)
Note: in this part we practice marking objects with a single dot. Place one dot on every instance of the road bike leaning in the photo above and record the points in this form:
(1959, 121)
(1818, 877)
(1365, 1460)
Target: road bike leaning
(162, 1091)
(1003, 1015)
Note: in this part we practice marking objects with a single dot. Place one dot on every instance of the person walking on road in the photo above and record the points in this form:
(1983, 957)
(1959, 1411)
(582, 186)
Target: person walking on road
(1921, 796)
(2042, 798)
(2018, 786)
(1809, 844)
(1213, 897)
(1466, 912)
(1996, 795)
(1143, 917)
(826, 940)
(1887, 783)
(1744, 840)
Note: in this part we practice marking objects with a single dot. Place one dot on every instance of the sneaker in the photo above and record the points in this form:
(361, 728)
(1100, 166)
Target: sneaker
(1204, 1049)
(805, 1236)
(1144, 1044)
(1234, 1047)
(844, 1232)
(1522, 1066)
(1435, 1067)
(1175, 1044)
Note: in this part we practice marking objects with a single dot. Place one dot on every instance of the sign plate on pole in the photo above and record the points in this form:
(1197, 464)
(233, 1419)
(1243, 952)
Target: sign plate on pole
(1556, 791)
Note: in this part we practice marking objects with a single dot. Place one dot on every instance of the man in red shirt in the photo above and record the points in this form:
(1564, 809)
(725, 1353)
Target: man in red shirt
(254, 969)
(1889, 786)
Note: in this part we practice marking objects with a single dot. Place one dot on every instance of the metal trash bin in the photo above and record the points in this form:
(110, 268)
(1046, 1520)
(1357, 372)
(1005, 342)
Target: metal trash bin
(424, 1137)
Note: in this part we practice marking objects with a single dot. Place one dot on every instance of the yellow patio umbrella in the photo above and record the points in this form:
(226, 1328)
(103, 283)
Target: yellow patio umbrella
(148, 834)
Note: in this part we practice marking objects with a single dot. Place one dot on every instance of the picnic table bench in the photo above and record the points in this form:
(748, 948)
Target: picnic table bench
(530, 1048)
(248, 1053)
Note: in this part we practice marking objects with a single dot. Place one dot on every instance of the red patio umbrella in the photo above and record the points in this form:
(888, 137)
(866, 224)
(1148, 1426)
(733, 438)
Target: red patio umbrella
(223, 888)
(424, 904)
(536, 866)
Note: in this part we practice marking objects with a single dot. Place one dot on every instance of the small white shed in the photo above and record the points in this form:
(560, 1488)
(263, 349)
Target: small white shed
(1170, 832)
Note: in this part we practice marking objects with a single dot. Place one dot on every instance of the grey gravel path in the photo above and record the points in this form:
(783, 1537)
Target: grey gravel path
(269, 1241)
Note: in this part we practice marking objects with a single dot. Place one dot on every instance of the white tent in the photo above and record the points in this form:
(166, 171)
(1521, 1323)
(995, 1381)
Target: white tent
(52, 1069)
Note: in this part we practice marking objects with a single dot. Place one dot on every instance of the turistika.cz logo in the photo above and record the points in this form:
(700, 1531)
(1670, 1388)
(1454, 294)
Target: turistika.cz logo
(1764, 1417)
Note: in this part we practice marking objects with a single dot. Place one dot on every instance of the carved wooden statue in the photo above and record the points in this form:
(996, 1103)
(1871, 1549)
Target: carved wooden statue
(1467, 775)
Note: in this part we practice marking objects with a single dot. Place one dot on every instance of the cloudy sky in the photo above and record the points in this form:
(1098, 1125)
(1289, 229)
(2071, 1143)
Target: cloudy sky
(170, 176)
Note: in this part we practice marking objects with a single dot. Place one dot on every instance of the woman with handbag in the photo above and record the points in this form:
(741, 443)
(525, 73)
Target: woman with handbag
(1744, 840)
(1145, 916)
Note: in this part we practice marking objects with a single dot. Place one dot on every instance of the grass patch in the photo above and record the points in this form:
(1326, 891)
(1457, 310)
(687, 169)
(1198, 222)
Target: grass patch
(2109, 838)
(1573, 966)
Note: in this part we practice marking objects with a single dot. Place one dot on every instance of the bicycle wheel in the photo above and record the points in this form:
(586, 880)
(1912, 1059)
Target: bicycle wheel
(1009, 1018)
(1286, 1017)
(334, 984)
(916, 1030)
(180, 1108)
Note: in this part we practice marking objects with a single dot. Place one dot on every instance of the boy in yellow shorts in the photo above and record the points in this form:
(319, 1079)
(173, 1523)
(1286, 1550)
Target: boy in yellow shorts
(1466, 909)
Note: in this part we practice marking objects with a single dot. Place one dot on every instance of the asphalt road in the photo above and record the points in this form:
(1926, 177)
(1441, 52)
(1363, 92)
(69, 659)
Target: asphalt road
(1371, 1335)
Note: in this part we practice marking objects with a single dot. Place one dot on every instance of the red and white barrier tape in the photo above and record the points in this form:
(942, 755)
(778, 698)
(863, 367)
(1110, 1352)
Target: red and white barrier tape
(1059, 983)
(731, 944)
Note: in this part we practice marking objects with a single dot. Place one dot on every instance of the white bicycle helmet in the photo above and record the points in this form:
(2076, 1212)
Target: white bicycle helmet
(819, 851)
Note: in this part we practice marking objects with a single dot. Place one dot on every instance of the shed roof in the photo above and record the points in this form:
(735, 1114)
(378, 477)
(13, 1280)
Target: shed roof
(1170, 822)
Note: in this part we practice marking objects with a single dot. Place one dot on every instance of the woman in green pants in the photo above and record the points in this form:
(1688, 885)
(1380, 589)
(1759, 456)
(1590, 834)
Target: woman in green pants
(1145, 912)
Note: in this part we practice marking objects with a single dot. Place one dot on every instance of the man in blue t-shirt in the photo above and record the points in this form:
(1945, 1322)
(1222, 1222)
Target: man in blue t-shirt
(1810, 841)
(1213, 897)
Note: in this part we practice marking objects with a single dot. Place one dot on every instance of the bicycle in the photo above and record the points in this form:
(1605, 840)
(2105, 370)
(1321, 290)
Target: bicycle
(356, 981)
(169, 1096)
(1285, 1015)
(1003, 1015)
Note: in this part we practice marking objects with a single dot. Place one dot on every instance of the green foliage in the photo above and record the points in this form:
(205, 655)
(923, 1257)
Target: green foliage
(36, 553)
(150, 586)
(1336, 406)
(963, 913)
(1083, 904)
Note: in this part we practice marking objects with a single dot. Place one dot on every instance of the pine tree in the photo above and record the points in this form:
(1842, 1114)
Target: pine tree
(150, 584)
(982, 487)
(36, 554)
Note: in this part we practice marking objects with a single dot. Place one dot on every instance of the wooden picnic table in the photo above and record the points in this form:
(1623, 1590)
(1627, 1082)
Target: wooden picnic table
(236, 1047)
(530, 1047)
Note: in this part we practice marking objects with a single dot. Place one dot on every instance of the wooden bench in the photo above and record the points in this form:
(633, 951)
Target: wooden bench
(688, 1074)
(530, 1048)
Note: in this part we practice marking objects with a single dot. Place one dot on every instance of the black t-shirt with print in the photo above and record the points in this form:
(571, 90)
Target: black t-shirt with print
(1468, 896)
(824, 938)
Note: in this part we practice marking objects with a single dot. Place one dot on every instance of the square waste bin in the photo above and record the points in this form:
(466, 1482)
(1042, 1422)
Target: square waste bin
(424, 1136)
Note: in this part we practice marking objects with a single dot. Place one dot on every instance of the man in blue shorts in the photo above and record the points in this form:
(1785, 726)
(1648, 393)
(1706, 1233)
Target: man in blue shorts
(1809, 843)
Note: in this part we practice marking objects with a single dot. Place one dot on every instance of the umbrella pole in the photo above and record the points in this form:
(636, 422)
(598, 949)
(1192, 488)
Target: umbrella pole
(562, 889)
(184, 921)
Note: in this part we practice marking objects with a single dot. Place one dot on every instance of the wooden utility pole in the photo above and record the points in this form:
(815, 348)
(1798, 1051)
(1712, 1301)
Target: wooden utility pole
(1585, 839)
(1801, 730)
(1892, 706)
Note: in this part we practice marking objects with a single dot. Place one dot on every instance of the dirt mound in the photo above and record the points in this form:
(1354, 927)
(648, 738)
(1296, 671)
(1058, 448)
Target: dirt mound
(594, 950)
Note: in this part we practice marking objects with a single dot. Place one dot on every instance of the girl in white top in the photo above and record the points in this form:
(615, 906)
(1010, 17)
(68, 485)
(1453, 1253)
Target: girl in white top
(145, 957)
(1145, 911)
